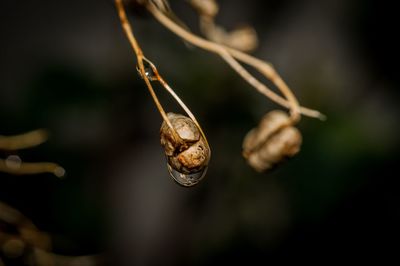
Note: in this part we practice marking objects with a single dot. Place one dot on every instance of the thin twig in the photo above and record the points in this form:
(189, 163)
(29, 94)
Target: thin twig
(13, 163)
(24, 168)
(23, 141)
(25, 229)
(224, 51)
(184, 107)
(25, 241)
(140, 58)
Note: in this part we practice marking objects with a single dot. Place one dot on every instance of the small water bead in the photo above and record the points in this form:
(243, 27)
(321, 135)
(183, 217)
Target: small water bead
(148, 71)
(13, 162)
(150, 74)
(187, 180)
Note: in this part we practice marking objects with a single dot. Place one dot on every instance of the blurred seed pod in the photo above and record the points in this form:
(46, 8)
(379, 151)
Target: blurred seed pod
(243, 38)
(187, 152)
(274, 140)
(207, 8)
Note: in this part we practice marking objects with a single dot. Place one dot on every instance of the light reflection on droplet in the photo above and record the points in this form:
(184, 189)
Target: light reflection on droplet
(187, 180)
(148, 70)
(13, 162)
(150, 73)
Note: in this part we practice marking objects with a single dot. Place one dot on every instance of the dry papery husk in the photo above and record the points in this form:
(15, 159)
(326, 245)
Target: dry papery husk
(272, 141)
(189, 154)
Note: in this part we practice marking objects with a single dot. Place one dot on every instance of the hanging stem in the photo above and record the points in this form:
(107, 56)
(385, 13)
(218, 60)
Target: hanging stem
(229, 55)
(14, 165)
(141, 59)
(159, 78)
(24, 168)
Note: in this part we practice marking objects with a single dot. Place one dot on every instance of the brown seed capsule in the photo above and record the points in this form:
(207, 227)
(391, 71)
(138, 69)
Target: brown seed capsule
(187, 155)
(272, 141)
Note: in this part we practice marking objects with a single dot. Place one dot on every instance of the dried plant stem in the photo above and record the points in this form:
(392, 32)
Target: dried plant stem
(141, 58)
(183, 105)
(32, 168)
(229, 55)
(23, 141)
(27, 242)
(160, 79)
(24, 227)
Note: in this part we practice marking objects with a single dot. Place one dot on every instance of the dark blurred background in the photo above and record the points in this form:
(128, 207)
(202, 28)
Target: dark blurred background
(66, 66)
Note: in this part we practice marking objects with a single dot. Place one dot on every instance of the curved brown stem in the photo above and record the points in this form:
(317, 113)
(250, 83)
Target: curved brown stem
(141, 59)
(23, 141)
(229, 55)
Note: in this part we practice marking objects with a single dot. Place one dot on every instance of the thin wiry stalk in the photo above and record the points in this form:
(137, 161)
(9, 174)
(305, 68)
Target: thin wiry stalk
(141, 58)
(23, 141)
(21, 240)
(25, 168)
(229, 55)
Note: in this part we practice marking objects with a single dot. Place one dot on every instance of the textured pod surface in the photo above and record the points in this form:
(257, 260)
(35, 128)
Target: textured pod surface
(272, 141)
(189, 154)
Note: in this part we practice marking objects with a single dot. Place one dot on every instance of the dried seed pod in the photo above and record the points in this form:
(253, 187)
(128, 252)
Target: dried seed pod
(272, 141)
(188, 153)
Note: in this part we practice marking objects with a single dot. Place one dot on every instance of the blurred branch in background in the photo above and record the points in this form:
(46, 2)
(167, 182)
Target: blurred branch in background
(19, 237)
(21, 240)
(23, 141)
(13, 163)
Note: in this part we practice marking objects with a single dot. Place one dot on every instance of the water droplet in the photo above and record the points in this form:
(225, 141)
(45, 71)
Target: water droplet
(150, 73)
(148, 70)
(187, 180)
(13, 162)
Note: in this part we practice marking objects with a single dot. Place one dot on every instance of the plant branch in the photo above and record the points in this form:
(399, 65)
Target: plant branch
(23, 168)
(23, 141)
(229, 55)
(25, 241)
(154, 75)
(140, 57)
(13, 163)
